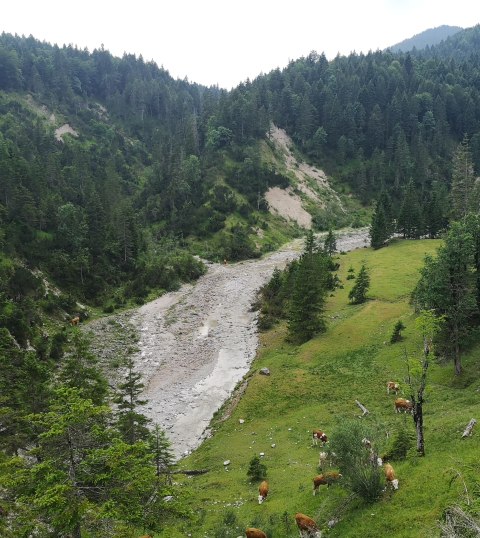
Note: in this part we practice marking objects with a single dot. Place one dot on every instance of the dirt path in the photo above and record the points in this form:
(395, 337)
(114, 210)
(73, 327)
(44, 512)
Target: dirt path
(197, 343)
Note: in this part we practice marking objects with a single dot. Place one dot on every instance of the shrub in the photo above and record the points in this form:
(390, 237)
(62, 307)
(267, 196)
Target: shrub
(396, 334)
(109, 308)
(256, 469)
(359, 469)
(402, 441)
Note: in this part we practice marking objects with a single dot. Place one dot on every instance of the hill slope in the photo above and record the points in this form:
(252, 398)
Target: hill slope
(430, 37)
(315, 386)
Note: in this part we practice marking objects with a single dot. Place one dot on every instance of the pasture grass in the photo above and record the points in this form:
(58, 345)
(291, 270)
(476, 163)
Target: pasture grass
(315, 386)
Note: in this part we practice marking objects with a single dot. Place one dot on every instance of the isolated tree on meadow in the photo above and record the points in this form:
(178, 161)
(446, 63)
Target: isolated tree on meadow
(358, 294)
(428, 324)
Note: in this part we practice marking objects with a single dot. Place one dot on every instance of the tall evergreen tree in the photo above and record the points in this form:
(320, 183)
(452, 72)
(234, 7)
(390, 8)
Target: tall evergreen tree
(378, 228)
(410, 217)
(463, 180)
(130, 422)
(447, 286)
(358, 294)
(307, 303)
(330, 243)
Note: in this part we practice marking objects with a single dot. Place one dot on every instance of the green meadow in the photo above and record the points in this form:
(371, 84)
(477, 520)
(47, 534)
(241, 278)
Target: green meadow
(314, 386)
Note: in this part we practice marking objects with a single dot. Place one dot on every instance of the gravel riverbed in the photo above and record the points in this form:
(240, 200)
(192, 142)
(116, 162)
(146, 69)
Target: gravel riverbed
(196, 344)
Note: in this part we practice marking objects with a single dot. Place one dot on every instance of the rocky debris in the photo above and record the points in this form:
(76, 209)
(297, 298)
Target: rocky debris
(64, 129)
(195, 345)
(265, 371)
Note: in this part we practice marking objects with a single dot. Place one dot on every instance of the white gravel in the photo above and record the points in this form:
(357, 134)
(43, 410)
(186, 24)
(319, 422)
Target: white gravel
(197, 343)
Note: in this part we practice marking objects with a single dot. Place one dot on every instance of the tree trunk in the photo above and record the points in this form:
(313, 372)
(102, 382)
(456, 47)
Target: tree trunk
(418, 418)
(456, 358)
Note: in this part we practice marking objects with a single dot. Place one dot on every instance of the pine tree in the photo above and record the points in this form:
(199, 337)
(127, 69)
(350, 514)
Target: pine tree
(410, 217)
(131, 423)
(358, 294)
(463, 180)
(378, 228)
(307, 303)
(256, 469)
(163, 457)
(330, 244)
(447, 286)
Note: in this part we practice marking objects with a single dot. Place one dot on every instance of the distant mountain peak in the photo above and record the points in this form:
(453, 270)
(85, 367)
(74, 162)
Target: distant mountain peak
(430, 37)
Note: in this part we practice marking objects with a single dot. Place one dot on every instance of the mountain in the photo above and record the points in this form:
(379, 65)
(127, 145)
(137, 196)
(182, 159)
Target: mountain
(430, 37)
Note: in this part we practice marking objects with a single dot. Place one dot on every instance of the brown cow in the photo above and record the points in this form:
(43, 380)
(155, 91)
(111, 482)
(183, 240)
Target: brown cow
(307, 526)
(319, 435)
(74, 321)
(403, 405)
(325, 479)
(251, 532)
(390, 476)
(262, 491)
(392, 386)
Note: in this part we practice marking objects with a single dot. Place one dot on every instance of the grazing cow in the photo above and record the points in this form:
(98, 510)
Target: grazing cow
(403, 405)
(74, 321)
(390, 476)
(307, 526)
(319, 435)
(325, 479)
(251, 532)
(262, 491)
(392, 386)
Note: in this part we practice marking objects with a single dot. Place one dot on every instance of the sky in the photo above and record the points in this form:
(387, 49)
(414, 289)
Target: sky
(224, 42)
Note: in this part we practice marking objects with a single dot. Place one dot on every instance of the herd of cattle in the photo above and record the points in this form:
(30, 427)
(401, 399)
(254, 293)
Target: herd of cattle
(307, 526)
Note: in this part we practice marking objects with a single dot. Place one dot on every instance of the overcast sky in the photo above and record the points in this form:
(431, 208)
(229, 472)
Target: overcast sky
(225, 42)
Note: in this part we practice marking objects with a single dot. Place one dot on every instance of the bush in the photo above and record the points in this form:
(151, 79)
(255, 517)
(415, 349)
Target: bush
(109, 308)
(358, 466)
(402, 441)
(396, 334)
(256, 469)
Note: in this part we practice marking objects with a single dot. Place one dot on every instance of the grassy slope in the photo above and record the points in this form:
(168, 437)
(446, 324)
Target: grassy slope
(315, 385)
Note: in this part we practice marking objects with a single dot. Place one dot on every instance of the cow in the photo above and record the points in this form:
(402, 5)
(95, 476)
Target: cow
(403, 405)
(390, 475)
(319, 435)
(262, 491)
(392, 386)
(325, 479)
(74, 321)
(251, 532)
(307, 526)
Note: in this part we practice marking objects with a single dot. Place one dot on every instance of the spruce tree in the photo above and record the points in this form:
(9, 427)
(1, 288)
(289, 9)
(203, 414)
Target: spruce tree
(463, 180)
(131, 423)
(410, 218)
(447, 285)
(358, 294)
(330, 244)
(305, 317)
(378, 228)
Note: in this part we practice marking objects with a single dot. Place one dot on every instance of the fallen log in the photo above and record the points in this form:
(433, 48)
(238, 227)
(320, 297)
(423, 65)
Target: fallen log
(363, 408)
(192, 472)
(469, 428)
